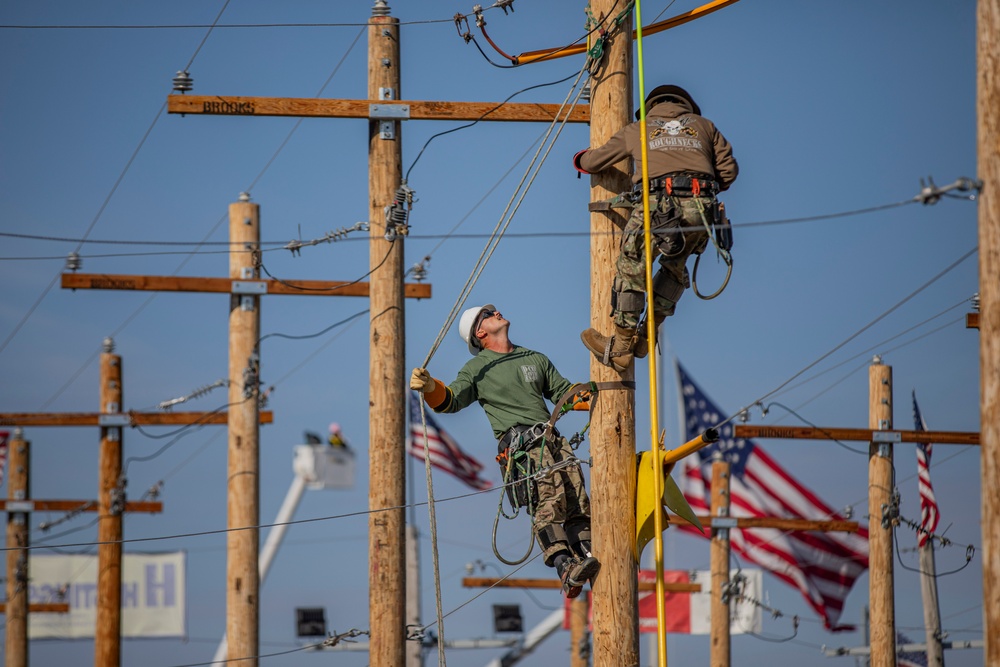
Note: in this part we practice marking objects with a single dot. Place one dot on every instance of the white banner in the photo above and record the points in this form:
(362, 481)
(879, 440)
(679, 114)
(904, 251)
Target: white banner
(153, 601)
(691, 613)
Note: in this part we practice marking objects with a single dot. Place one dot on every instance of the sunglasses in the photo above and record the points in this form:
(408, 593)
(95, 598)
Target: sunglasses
(485, 315)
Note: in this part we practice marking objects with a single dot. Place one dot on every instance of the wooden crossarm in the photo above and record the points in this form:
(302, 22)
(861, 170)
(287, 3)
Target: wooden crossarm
(135, 418)
(145, 506)
(485, 582)
(862, 434)
(42, 607)
(217, 105)
(788, 524)
(225, 285)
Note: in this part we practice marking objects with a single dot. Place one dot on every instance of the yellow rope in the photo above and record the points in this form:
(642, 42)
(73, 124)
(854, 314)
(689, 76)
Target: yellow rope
(661, 636)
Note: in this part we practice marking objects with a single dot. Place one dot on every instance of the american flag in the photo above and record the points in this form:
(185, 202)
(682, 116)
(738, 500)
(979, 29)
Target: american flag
(823, 566)
(444, 452)
(3, 453)
(929, 516)
(909, 658)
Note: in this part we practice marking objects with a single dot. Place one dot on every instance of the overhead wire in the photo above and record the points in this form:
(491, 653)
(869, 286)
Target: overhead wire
(280, 245)
(219, 26)
(293, 522)
(477, 271)
(857, 333)
(190, 255)
(513, 205)
(406, 176)
(107, 199)
(877, 346)
(329, 289)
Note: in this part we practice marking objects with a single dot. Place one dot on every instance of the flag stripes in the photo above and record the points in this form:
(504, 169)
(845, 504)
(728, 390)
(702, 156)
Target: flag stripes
(823, 566)
(929, 515)
(444, 452)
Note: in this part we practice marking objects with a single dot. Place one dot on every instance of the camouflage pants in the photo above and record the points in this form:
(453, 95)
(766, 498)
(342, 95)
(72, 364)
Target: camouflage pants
(681, 213)
(562, 497)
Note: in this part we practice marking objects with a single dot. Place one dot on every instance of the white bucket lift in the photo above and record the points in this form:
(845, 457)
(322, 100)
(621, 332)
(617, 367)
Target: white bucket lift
(324, 467)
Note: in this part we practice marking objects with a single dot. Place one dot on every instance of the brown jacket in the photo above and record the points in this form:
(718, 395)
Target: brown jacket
(679, 140)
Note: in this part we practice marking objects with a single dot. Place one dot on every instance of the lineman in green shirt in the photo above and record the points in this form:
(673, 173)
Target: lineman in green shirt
(512, 384)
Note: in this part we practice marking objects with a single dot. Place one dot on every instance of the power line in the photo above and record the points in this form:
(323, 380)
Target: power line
(190, 255)
(219, 531)
(107, 200)
(870, 324)
(528, 235)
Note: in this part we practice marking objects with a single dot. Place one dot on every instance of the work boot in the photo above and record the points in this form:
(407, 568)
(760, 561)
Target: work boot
(575, 572)
(614, 351)
(642, 344)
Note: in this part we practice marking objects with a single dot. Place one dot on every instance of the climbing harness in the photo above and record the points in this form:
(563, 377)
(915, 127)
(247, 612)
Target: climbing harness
(520, 457)
(666, 232)
(722, 239)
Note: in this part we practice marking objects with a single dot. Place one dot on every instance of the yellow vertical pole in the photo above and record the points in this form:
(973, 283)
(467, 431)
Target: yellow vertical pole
(654, 427)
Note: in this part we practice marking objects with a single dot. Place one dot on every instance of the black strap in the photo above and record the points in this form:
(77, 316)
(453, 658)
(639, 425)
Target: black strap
(592, 387)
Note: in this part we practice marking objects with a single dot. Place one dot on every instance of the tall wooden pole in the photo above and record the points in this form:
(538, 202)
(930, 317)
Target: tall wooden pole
(932, 611)
(988, 140)
(414, 649)
(880, 564)
(387, 398)
(110, 503)
(242, 573)
(612, 426)
(18, 489)
(579, 646)
(719, 564)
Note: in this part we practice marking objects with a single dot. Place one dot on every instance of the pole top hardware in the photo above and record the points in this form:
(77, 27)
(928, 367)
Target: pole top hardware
(389, 111)
(249, 287)
(115, 419)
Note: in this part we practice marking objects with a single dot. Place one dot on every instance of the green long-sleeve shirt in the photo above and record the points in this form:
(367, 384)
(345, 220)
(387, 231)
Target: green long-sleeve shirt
(512, 387)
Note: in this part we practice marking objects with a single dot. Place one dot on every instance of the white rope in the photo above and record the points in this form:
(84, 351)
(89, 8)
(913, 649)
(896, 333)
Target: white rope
(502, 224)
(477, 270)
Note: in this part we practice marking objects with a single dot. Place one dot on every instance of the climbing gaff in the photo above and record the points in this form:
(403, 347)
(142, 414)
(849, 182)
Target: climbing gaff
(647, 503)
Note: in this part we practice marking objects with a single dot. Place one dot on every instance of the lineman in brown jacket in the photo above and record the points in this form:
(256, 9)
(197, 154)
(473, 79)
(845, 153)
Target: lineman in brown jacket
(689, 163)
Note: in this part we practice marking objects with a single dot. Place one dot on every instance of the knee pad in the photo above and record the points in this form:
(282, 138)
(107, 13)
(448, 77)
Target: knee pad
(552, 535)
(666, 286)
(626, 300)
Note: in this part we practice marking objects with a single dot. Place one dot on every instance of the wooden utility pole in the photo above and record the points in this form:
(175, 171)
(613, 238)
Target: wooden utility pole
(414, 649)
(110, 499)
(242, 570)
(719, 562)
(387, 397)
(932, 611)
(988, 141)
(612, 426)
(18, 489)
(880, 519)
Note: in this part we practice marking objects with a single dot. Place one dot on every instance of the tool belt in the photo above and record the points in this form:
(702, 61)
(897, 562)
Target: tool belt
(517, 463)
(521, 437)
(685, 184)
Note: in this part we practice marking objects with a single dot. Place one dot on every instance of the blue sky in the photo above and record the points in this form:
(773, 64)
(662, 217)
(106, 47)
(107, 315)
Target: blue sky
(830, 107)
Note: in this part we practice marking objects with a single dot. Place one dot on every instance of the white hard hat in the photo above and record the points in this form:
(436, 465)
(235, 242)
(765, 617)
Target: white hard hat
(465, 324)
